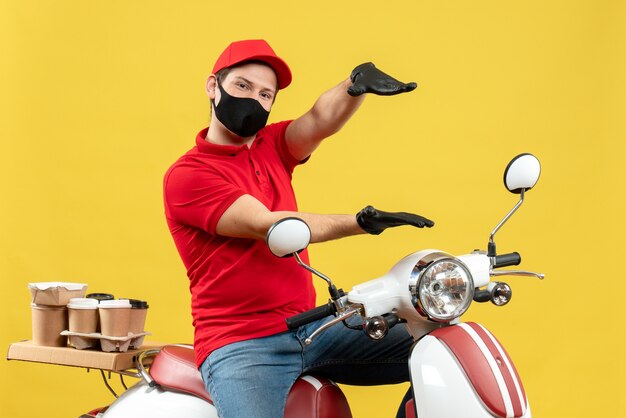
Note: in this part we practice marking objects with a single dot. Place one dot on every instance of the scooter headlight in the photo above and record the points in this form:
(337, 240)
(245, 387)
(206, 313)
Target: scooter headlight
(443, 288)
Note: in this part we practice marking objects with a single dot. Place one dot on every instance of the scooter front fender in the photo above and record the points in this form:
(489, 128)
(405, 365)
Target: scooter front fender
(142, 400)
(462, 371)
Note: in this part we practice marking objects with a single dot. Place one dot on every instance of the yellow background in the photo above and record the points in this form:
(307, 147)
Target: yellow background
(99, 98)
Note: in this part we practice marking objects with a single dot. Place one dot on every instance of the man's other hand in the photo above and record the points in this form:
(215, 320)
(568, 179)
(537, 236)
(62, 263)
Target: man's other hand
(374, 221)
(366, 78)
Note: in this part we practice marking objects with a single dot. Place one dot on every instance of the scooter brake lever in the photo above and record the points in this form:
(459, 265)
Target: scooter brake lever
(344, 315)
(540, 276)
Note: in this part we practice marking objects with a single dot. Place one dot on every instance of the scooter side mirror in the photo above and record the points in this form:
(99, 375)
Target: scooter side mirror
(288, 236)
(522, 173)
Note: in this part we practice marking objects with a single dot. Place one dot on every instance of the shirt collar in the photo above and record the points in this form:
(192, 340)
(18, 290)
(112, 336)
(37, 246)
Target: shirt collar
(216, 149)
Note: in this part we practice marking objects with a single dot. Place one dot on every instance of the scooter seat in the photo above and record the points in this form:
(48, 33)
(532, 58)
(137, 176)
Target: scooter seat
(174, 368)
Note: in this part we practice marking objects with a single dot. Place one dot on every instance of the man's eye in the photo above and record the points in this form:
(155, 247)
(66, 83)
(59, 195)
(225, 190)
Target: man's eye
(242, 85)
(266, 96)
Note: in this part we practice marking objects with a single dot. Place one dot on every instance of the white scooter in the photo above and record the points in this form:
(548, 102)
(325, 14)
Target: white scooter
(457, 369)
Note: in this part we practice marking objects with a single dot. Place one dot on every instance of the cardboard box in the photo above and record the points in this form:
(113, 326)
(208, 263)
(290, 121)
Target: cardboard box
(55, 293)
(68, 356)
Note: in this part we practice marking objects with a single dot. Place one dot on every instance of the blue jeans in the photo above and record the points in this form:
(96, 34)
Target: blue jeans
(252, 378)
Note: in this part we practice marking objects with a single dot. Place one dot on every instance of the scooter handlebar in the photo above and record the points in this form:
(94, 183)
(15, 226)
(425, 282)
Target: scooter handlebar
(314, 314)
(510, 259)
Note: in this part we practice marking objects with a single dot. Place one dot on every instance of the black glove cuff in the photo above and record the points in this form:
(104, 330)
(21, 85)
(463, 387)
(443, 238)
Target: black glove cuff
(364, 217)
(359, 69)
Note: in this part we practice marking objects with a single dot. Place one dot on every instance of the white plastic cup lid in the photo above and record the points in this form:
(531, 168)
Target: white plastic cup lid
(83, 303)
(114, 304)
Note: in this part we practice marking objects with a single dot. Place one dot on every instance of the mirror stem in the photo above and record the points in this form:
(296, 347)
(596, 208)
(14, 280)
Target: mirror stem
(334, 293)
(492, 244)
(312, 270)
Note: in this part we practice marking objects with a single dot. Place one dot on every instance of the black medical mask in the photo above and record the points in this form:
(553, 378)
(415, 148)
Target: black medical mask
(240, 115)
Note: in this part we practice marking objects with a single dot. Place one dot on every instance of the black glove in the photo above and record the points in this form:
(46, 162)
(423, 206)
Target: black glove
(366, 78)
(374, 221)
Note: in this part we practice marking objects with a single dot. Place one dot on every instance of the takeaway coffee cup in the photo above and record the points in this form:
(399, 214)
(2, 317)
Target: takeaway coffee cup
(83, 315)
(114, 317)
(138, 313)
(48, 323)
(100, 297)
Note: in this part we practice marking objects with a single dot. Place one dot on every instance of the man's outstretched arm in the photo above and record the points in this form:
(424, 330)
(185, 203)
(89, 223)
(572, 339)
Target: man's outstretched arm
(337, 105)
(247, 217)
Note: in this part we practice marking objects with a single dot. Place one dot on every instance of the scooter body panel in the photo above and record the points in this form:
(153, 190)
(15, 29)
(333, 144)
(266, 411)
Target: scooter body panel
(143, 401)
(443, 389)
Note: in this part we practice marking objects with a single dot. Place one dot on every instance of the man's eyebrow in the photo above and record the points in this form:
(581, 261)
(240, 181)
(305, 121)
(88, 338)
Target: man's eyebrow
(251, 83)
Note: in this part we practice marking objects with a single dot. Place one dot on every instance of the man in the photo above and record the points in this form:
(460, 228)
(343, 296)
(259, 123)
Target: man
(220, 200)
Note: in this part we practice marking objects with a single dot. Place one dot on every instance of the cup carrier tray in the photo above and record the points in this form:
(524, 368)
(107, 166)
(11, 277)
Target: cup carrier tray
(108, 344)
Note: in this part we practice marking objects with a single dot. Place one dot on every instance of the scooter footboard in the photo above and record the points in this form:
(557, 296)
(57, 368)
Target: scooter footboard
(462, 370)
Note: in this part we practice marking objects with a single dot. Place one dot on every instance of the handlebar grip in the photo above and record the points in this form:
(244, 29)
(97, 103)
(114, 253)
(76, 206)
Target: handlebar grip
(482, 295)
(510, 259)
(314, 314)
